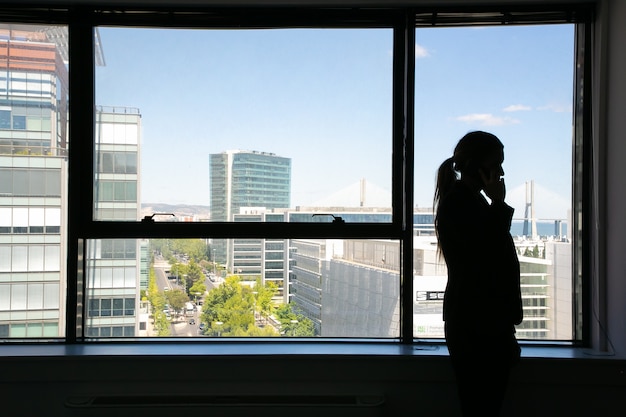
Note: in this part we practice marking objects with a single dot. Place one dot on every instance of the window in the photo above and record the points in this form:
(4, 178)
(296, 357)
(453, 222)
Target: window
(5, 119)
(118, 162)
(281, 175)
(19, 122)
(302, 94)
(516, 82)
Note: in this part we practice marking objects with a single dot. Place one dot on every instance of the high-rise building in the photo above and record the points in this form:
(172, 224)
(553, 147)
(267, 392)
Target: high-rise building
(33, 178)
(248, 179)
(33, 194)
(240, 179)
(114, 265)
(267, 259)
(350, 288)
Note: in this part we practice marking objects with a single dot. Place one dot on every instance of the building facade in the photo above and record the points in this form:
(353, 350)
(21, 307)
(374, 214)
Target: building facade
(338, 284)
(240, 179)
(114, 266)
(33, 195)
(351, 288)
(33, 178)
(267, 259)
(272, 259)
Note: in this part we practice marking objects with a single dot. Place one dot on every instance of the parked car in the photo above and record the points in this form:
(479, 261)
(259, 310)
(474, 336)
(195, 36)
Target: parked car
(192, 322)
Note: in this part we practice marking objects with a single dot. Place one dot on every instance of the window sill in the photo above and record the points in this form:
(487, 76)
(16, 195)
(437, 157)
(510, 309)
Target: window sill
(263, 348)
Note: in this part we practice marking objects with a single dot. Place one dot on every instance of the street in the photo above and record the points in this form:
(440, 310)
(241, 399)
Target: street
(179, 325)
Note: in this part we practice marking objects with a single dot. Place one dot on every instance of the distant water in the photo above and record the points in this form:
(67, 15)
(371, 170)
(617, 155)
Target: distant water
(544, 228)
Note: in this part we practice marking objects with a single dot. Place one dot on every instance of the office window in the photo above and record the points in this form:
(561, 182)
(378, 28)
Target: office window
(129, 306)
(93, 307)
(34, 182)
(5, 119)
(291, 166)
(105, 307)
(118, 162)
(317, 106)
(19, 122)
(115, 249)
(118, 306)
(112, 191)
(517, 83)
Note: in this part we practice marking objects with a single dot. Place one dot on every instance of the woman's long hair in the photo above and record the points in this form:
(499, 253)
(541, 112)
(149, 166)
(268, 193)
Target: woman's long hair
(468, 155)
(446, 176)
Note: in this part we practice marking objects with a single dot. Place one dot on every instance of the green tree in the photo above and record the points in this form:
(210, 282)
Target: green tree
(204, 264)
(176, 299)
(195, 249)
(161, 324)
(237, 313)
(157, 304)
(229, 309)
(267, 331)
(197, 289)
(178, 270)
(230, 304)
(194, 274)
(155, 297)
(263, 297)
(300, 328)
(294, 323)
(161, 246)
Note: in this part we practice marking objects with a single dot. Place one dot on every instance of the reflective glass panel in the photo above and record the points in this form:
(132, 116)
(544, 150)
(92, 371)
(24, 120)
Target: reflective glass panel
(269, 288)
(214, 124)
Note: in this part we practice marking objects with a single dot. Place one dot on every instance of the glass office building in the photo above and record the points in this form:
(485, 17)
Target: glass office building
(114, 265)
(240, 179)
(33, 194)
(350, 288)
(33, 178)
(248, 179)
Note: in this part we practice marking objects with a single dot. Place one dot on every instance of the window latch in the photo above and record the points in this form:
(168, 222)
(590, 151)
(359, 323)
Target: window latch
(150, 219)
(336, 219)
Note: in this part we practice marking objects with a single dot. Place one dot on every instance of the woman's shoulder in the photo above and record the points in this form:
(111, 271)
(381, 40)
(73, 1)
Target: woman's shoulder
(460, 204)
(458, 194)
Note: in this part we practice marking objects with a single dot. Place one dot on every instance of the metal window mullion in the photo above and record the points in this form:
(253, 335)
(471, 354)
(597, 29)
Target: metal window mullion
(404, 80)
(246, 17)
(584, 193)
(234, 230)
(80, 162)
(489, 15)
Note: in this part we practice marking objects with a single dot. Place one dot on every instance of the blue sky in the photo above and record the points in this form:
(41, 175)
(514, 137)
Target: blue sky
(323, 98)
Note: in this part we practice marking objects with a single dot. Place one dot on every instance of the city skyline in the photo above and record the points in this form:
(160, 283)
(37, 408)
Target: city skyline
(263, 175)
(322, 97)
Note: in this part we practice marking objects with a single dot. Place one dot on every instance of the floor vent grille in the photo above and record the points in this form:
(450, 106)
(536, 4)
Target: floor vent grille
(225, 400)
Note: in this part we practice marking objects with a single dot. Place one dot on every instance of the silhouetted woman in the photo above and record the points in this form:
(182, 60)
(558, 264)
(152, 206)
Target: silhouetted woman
(482, 301)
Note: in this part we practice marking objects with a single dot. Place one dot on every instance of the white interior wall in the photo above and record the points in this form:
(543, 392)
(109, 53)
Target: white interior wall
(613, 13)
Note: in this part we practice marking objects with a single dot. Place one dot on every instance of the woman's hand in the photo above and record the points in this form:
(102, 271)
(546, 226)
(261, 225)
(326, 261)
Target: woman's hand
(493, 184)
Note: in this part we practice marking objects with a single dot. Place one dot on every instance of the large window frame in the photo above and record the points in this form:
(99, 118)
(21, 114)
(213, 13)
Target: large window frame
(82, 21)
